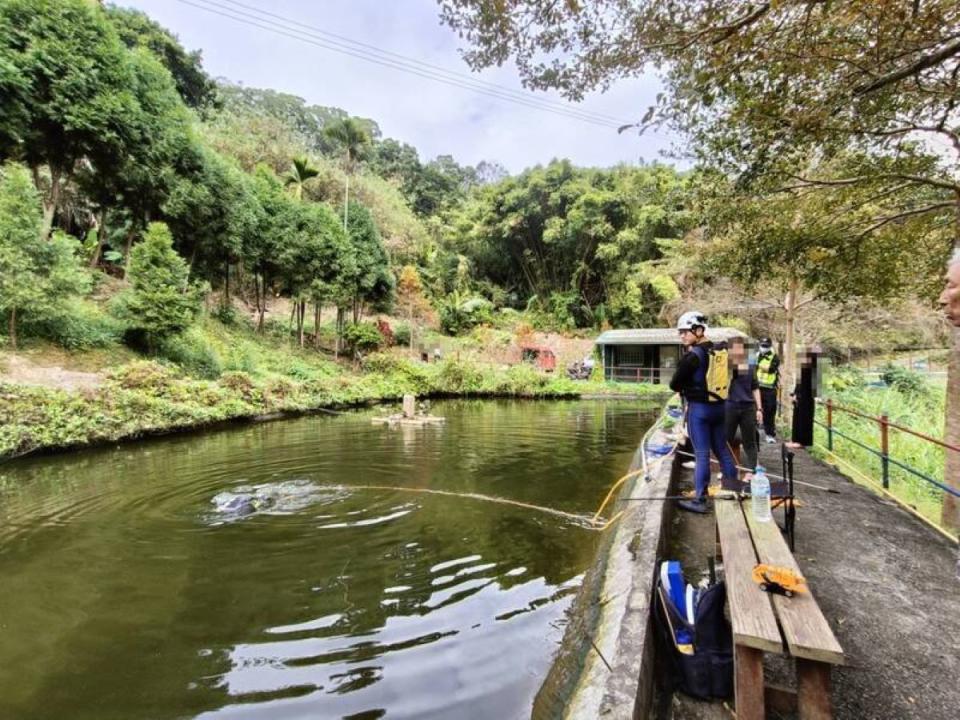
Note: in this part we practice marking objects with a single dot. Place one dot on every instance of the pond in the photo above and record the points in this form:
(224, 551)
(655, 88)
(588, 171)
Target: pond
(289, 570)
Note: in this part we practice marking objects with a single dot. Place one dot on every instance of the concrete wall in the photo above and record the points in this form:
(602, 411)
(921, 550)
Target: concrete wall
(611, 616)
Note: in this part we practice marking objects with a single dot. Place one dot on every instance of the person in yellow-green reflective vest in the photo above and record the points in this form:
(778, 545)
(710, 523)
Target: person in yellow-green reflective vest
(768, 378)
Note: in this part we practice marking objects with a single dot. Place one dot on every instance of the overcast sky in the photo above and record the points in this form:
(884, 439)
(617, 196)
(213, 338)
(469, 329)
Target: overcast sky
(435, 118)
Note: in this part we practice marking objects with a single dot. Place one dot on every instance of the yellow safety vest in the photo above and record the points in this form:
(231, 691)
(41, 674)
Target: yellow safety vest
(766, 378)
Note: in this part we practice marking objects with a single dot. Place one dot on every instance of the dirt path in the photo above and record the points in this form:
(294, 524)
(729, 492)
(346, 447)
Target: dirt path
(20, 370)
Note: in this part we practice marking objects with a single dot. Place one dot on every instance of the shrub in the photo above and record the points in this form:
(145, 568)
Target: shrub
(845, 377)
(413, 377)
(191, 352)
(227, 314)
(455, 376)
(278, 389)
(148, 376)
(240, 383)
(77, 326)
(906, 381)
(386, 332)
(458, 315)
(363, 337)
(401, 334)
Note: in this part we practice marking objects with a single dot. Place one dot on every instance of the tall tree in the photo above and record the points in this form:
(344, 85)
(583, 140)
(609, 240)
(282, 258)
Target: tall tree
(352, 138)
(314, 258)
(136, 30)
(36, 274)
(71, 100)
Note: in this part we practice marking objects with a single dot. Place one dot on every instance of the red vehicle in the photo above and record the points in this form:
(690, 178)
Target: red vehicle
(539, 356)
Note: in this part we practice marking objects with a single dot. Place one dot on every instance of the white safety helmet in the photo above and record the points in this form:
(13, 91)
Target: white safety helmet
(691, 319)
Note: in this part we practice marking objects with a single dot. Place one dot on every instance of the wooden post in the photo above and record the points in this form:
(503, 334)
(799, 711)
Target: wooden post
(748, 681)
(813, 690)
(409, 405)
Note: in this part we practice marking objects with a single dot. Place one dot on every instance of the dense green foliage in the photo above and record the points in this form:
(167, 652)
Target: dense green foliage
(908, 400)
(580, 245)
(160, 302)
(36, 274)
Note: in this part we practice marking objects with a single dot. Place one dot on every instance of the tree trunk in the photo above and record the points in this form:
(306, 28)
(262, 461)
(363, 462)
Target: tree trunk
(788, 379)
(226, 284)
(410, 323)
(101, 234)
(339, 330)
(316, 325)
(51, 199)
(293, 314)
(950, 515)
(951, 431)
(13, 328)
(127, 248)
(346, 190)
(303, 309)
(262, 302)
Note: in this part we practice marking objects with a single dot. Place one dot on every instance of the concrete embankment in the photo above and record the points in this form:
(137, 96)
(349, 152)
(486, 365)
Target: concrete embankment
(604, 667)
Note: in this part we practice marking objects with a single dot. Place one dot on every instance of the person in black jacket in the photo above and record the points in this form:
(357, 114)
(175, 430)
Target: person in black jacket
(705, 413)
(744, 408)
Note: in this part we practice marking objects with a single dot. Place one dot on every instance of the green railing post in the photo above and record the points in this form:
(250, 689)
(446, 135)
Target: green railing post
(885, 450)
(830, 424)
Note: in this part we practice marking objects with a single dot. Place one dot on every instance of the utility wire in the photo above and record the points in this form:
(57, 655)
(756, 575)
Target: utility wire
(298, 35)
(271, 26)
(314, 30)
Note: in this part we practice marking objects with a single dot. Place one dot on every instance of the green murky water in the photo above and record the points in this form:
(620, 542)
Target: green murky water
(126, 593)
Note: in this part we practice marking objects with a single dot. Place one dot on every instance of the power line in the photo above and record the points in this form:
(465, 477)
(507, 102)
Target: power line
(408, 59)
(338, 47)
(270, 26)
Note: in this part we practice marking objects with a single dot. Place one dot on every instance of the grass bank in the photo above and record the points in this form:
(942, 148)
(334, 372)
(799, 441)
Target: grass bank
(908, 400)
(146, 397)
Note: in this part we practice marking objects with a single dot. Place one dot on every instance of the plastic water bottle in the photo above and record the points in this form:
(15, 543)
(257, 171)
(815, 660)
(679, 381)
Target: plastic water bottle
(760, 495)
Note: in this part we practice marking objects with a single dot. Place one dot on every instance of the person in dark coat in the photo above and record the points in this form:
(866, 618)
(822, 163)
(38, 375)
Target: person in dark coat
(804, 399)
(743, 408)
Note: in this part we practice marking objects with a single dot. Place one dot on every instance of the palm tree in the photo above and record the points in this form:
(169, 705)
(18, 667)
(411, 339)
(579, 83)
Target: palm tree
(350, 134)
(300, 171)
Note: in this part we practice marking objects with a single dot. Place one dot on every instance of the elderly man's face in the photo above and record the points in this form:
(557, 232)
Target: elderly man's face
(950, 297)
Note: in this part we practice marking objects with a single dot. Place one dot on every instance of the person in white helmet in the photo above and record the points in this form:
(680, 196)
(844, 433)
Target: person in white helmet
(705, 412)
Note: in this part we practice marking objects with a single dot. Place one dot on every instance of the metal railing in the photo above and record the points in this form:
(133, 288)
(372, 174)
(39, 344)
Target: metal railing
(884, 426)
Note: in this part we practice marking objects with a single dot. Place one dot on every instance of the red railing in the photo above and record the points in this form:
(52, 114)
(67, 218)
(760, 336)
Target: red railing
(884, 425)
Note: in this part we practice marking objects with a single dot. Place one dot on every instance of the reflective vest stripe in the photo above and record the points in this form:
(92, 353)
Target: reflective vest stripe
(765, 378)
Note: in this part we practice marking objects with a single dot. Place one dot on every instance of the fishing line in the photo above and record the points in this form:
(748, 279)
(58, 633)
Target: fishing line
(584, 520)
(713, 461)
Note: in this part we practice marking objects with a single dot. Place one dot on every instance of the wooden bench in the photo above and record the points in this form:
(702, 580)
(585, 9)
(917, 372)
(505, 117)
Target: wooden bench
(764, 622)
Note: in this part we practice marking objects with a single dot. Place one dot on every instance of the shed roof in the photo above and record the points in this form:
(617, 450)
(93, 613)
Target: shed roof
(659, 336)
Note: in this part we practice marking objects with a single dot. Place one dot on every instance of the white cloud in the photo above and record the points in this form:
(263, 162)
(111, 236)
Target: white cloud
(435, 118)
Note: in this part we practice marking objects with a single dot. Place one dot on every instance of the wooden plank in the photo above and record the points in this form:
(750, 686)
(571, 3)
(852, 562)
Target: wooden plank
(805, 629)
(751, 615)
(748, 683)
(813, 690)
